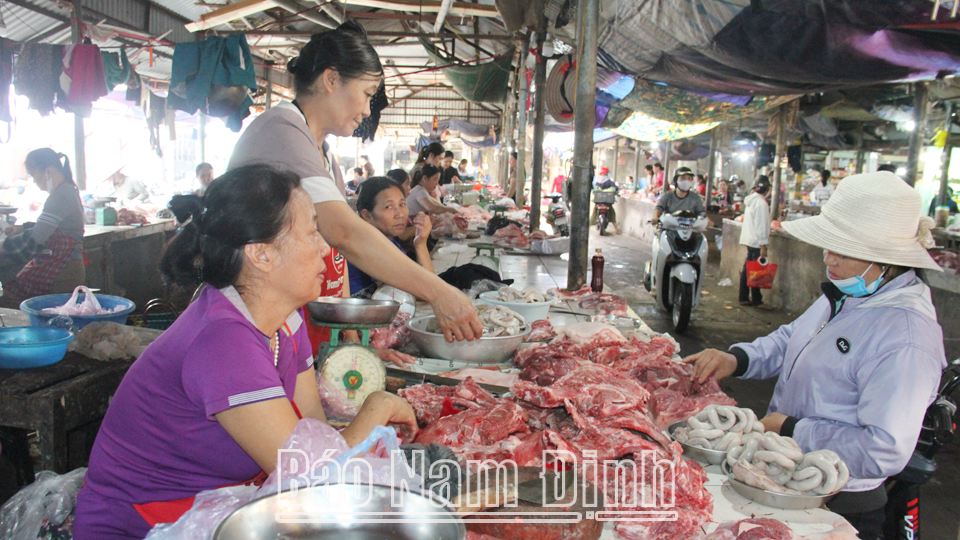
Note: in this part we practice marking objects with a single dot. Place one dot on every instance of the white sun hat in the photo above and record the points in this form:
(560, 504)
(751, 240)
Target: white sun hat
(874, 217)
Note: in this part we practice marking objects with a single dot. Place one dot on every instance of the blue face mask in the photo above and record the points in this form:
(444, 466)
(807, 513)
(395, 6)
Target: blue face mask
(856, 286)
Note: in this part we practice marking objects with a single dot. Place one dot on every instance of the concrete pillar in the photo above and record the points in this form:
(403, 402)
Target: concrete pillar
(616, 159)
(79, 134)
(945, 157)
(539, 81)
(712, 162)
(777, 169)
(522, 128)
(584, 117)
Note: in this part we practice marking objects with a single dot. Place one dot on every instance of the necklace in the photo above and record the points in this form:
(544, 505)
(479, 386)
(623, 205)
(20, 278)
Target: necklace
(276, 349)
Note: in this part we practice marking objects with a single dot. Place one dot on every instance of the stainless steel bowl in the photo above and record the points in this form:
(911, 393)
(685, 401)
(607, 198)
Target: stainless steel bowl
(343, 512)
(713, 457)
(338, 310)
(785, 501)
(487, 350)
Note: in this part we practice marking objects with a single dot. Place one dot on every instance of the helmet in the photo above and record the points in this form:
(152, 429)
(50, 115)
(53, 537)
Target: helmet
(604, 170)
(682, 171)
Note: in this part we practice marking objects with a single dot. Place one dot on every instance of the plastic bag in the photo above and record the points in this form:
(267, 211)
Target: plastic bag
(107, 341)
(725, 282)
(209, 509)
(481, 286)
(395, 336)
(760, 274)
(89, 306)
(336, 405)
(50, 499)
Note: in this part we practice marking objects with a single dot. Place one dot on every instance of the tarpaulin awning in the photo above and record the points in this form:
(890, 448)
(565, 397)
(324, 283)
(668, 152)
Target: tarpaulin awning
(479, 83)
(674, 105)
(645, 128)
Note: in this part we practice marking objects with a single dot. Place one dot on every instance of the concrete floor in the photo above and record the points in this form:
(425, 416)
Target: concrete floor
(720, 322)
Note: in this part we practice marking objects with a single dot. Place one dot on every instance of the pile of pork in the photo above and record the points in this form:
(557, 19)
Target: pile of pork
(591, 391)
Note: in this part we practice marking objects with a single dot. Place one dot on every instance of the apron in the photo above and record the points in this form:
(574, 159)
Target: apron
(36, 278)
(158, 512)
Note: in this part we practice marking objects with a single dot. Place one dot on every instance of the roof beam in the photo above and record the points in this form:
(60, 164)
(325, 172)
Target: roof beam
(375, 34)
(230, 12)
(380, 15)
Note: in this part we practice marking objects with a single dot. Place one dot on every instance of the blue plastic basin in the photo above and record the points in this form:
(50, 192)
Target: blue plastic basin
(26, 347)
(32, 307)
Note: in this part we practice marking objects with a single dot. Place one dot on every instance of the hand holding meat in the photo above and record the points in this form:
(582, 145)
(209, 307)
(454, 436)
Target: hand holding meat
(720, 427)
(456, 316)
(777, 464)
(712, 363)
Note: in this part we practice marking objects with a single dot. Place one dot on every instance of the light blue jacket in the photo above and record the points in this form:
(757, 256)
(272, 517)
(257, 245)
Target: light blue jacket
(861, 382)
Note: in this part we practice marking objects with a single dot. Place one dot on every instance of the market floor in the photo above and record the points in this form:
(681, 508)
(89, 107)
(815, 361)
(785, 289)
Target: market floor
(719, 322)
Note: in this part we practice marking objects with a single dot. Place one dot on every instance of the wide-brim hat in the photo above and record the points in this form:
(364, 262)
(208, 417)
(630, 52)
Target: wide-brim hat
(560, 92)
(874, 217)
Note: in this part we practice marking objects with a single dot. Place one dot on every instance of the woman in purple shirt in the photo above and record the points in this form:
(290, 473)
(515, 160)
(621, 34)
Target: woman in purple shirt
(213, 399)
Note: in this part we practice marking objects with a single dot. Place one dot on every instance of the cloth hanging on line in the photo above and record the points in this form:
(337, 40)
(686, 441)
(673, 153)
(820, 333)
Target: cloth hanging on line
(134, 90)
(82, 79)
(156, 115)
(116, 68)
(198, 67)
(36, 76)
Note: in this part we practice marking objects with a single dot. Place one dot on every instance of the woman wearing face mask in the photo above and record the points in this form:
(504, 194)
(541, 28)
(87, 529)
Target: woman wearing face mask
(49, 252)
(680, 198)
(335, 77)
(858, 369)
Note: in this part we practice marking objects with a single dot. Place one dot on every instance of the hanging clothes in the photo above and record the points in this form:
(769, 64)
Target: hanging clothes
(156, 116)
(215, 61)
(82, 79)
(116, 68)
(36, 75)
(134, 92)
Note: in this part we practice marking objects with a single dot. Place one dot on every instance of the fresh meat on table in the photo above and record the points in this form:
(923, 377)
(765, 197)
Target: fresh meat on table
(577, 295)
(484, 425)
(541, 330)
(605, 304)
(766, 528)
(427, 399)
(511, 236)
(590, 335)
(683, 399)
(596, 390)
(483, 376)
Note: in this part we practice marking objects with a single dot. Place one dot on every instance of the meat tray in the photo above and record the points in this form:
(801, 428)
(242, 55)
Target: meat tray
(784, 501)
(485, 351)
(703, 455)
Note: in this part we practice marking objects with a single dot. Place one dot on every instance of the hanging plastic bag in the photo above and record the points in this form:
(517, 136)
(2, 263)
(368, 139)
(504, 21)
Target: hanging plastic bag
(47, 502)
(209, 509)
(760, 273)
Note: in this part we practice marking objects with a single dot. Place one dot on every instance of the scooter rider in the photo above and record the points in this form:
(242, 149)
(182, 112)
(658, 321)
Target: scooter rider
(680, 198)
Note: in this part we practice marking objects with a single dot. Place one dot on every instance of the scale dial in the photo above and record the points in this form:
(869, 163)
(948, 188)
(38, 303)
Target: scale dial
(356, 371)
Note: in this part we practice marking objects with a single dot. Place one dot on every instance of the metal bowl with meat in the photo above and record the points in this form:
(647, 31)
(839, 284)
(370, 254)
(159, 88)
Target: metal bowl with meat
(784, 501)
(531, 304)
(697, 453)
(486, 350)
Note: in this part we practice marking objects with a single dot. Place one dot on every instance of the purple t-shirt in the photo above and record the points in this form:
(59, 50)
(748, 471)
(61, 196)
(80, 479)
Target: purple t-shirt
(159, 440)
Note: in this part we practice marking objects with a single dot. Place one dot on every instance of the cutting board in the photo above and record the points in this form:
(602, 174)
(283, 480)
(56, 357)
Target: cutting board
(521, 528)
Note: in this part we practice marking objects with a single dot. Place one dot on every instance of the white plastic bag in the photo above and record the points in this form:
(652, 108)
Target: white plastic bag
(50, 498)
(89, 306)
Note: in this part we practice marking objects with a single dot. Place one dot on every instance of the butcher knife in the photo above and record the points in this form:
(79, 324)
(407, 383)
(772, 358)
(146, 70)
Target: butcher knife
(413, 378)
(533, 491)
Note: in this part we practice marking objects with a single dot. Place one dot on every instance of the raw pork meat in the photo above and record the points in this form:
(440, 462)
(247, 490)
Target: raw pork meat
(394, 336)
(947, 258)
(766, 528)
(542, 330)
(593, 335)
(483, 425)
(576, 295)
(483, 376)
(511, 236)
(427, 399)
(445, 225)
(597, 391)
(684, 399)
(605, 304)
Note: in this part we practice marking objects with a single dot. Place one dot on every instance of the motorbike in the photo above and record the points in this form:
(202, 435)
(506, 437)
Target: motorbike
(679, 254)
(604, 202)
(557, 215)
(903, 490)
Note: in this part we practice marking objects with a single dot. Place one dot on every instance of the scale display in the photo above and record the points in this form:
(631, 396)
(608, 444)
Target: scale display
(355, 370)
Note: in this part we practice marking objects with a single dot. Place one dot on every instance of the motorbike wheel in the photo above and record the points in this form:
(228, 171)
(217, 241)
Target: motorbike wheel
(682, 306)
(647, 277)
(602, 225)
(564, 230)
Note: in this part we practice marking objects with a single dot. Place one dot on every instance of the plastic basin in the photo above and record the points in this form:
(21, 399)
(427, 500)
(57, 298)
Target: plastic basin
(27, 347)
(32, 307)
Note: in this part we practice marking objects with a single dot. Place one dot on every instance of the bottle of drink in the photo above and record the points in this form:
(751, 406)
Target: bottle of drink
(596, 284)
